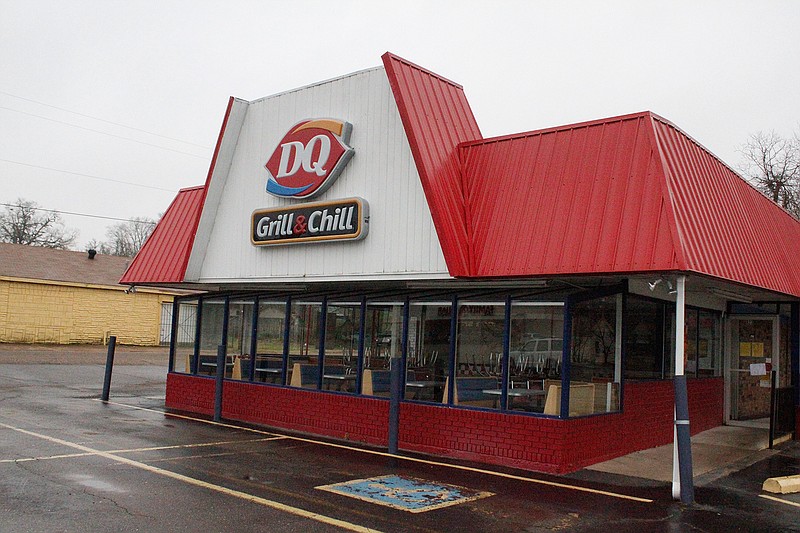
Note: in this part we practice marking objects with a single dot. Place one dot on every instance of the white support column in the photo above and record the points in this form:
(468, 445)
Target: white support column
(680, 331)
(682, 457)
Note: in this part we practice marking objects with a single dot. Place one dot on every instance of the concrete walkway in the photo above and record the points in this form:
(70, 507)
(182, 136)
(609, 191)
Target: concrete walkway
(715, 453)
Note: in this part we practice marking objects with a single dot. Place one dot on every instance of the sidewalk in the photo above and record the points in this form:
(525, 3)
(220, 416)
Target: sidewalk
(715, 453)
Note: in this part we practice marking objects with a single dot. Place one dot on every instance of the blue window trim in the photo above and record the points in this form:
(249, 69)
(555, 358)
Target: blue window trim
(362, 326)
(197, 332)
(173, 332)
(404, 345)
(323, 322)
(287, 319)
(566, 360)
(451, 371)
(225, 323)
(253, 339)
(504, 372)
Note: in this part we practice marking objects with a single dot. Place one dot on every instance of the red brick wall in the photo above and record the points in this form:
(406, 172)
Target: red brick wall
(528, 442)
(347, 417)
(341, 416)
(552, 445)
(189, 393)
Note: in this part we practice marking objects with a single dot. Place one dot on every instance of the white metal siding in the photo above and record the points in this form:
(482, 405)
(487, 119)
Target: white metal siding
(402, 240)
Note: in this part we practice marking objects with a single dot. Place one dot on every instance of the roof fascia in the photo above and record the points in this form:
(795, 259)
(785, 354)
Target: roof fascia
(215, 183)
(554, 129)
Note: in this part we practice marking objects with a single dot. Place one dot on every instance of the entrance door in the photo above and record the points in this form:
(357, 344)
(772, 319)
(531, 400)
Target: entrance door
(753, 351)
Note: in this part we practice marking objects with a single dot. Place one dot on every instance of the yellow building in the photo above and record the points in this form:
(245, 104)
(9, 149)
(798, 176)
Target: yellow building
(66, 297)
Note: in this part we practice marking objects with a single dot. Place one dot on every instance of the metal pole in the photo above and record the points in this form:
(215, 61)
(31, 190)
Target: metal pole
(682, 475)
(112, 346)
(219, 381)
(396, 384)
(772, 398)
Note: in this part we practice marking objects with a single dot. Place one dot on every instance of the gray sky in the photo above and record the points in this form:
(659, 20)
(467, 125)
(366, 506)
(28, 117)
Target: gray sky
(158, 74)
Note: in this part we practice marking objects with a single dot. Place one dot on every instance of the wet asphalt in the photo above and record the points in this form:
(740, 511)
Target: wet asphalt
(69, 462)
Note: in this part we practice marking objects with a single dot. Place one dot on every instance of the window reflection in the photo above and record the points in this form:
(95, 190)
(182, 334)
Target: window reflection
(536, 347)
(428, 358)
(479, 354)
(595, 358)
(341, 346)
(185, 336)
(709, 360)
(269, 342)
(240, 327)
(382, 342)
(644, 347)
(303, 361)
(212, 317)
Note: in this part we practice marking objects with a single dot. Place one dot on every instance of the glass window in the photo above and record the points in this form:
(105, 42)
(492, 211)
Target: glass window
(183, 343)
(644, 346)
(784, 359)
(383, 333)
(479, 354)
(595, 358)
(269, 341)
(709, 360)
(341, 346)
(690, 343)
(536, 346)
(212, 317)
(240, 328)
(428, 358)
(303, 364)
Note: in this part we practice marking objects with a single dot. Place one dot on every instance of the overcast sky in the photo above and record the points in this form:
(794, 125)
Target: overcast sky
(94, 93)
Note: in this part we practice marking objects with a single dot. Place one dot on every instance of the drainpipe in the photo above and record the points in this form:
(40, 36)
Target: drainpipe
(682, 482)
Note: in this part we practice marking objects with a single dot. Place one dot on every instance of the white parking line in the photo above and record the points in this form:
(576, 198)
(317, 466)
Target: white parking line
(135, 450)
(199, 483)
(405, 458)
(781, 500)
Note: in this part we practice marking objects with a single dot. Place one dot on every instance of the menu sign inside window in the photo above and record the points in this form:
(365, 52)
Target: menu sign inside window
(346, 219)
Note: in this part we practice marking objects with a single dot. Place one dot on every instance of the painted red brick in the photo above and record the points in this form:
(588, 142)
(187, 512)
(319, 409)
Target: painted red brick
(528, 442)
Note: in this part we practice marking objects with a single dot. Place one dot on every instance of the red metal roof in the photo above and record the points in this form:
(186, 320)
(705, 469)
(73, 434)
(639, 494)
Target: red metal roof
(436, 117)
(727, 229)
(585, 198)
(165, 254)
(621, 195)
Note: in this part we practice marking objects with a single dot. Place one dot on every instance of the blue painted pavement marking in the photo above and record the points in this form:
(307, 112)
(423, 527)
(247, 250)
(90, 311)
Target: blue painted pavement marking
(405, 493)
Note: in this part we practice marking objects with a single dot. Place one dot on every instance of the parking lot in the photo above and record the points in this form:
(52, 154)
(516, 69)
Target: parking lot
(69, 462)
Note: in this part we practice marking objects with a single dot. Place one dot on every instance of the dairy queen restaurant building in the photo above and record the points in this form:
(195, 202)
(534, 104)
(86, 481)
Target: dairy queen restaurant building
(377, 271)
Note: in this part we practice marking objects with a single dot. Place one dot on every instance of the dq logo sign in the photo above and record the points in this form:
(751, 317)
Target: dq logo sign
(309, 158)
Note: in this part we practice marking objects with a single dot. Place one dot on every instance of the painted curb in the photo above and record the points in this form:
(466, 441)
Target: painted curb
(782, 485)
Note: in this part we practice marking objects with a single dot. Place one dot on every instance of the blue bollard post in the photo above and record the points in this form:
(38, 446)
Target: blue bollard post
(112, 346)
(684, 439)
(220, 380)
(396, 388)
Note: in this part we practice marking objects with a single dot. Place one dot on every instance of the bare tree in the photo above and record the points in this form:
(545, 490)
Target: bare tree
(126, 238)
(99, 247)
(772, 164)
(25, 223)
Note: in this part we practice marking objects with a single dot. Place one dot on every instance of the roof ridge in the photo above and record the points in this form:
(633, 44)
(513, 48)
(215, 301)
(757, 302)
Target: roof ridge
(553, 129)
(389, 55)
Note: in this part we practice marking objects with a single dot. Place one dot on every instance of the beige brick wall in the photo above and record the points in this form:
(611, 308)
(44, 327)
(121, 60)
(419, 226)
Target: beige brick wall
(51, 313)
